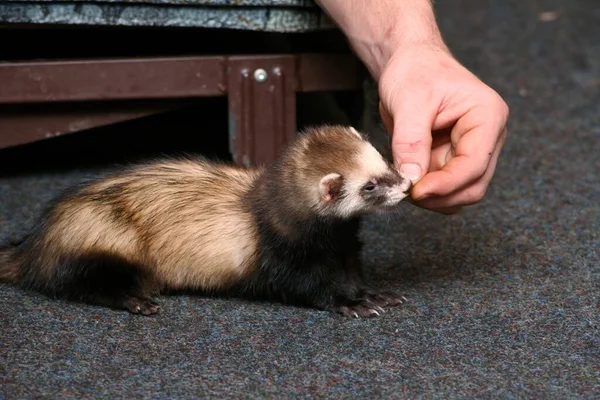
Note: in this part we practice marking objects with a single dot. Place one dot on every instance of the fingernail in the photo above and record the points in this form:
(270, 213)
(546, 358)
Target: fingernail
(411, 171)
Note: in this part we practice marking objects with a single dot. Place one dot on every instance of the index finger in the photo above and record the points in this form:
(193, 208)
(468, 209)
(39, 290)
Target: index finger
(474, 138)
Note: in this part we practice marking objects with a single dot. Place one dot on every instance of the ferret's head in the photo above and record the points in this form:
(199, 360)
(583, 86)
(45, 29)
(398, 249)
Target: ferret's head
(348, 176)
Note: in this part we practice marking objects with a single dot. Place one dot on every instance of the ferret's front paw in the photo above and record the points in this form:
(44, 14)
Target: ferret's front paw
(361, 310)
(142, 306)
(385, 299)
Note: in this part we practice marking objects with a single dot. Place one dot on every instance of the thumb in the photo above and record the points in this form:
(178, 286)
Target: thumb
(411, 137)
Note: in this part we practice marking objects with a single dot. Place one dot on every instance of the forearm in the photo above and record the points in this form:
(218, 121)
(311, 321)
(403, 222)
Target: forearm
(376, 28)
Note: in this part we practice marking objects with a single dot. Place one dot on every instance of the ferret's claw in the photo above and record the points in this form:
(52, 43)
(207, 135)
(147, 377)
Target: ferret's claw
(359, 310)
(373, 304)
(142, 306)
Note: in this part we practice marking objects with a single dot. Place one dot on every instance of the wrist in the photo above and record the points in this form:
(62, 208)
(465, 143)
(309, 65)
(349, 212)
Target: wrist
(377, 30)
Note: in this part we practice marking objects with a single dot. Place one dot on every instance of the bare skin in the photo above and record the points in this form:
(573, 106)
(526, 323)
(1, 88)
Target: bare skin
(448, 128)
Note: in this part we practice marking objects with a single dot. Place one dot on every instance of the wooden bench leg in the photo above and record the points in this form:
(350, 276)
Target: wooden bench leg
(262, 107)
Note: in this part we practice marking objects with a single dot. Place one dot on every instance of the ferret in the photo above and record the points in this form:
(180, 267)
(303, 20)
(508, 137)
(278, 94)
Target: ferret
(287, 231)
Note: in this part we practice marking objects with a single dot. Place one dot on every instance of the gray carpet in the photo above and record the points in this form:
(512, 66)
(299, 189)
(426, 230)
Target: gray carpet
(503, 298)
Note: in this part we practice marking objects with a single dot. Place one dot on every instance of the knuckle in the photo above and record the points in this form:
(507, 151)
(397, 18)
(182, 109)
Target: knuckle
(499, 104)
(475, 194)
(478, 170)
(415, 145)
(505, 111)
(503, 136)
(482, 169)
(505, 108)
(410, 151)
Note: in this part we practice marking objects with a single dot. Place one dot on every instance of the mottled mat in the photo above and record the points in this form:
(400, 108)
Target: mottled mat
(503, 298)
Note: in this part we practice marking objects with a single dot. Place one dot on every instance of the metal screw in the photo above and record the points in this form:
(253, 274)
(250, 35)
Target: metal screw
(260, 75)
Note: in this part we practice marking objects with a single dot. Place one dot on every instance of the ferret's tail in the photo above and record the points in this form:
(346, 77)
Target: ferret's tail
(9, 267)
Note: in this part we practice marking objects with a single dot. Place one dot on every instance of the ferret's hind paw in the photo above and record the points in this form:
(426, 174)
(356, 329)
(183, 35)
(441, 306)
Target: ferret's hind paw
(385, 299)
(142, 306)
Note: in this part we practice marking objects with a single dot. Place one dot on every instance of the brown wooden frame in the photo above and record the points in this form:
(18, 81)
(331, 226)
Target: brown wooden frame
(261, 91)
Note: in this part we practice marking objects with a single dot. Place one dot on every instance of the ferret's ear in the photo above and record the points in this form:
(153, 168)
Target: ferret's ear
(330, 187)
(355, 132)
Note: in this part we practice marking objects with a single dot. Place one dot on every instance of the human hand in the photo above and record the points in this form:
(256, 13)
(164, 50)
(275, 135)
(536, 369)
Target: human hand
(445, 122)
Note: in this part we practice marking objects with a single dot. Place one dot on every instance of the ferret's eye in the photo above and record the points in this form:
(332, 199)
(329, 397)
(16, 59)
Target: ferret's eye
(369, 187)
